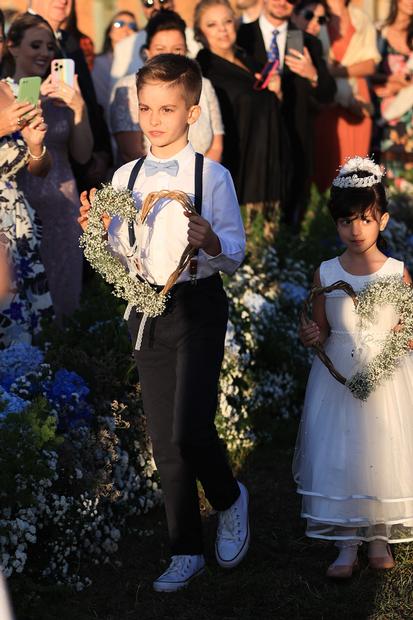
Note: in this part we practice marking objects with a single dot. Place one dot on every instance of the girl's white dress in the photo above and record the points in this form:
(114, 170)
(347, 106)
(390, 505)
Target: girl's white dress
(353, 461)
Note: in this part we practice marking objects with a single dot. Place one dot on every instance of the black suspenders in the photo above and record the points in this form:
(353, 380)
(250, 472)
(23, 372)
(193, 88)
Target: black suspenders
(133, 176)
(199, 167)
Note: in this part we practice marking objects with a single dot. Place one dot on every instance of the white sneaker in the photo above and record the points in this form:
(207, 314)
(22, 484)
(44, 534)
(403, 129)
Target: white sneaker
(233, 537)
(181, 571)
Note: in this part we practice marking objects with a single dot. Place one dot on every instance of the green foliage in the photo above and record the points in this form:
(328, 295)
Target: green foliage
(23, 436)
(95, 343)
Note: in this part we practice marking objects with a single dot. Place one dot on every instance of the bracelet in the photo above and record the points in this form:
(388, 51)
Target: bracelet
(314, 81)
(37, 157)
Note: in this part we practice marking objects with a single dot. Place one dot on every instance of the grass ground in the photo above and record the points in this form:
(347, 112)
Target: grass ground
(281, 578)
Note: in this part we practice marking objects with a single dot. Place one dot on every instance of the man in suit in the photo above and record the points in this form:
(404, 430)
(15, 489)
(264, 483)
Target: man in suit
(304, 80)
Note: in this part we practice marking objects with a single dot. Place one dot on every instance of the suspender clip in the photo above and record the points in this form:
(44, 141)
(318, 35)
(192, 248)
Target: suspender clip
(193, 269)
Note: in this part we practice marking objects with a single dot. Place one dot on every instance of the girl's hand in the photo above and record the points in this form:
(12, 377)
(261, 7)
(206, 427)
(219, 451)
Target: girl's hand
(301, 64)
(34, 132)
(85, 203)
(309, 333)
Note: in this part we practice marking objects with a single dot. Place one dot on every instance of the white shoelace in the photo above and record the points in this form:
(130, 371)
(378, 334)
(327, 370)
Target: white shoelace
(230, 524)
(178, 566)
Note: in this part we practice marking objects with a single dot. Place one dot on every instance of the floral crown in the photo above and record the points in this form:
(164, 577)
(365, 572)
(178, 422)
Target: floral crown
(354, 165)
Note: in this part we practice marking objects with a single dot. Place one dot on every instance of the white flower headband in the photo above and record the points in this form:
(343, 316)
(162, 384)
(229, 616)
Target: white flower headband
(355, 165)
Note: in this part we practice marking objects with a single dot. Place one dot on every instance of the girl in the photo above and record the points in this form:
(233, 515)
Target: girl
(30, 50)
(352, 459)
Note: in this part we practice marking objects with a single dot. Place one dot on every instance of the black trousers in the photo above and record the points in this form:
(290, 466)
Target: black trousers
(179, 365)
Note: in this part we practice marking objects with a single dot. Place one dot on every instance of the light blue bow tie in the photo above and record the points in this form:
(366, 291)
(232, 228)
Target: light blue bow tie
(152, 167)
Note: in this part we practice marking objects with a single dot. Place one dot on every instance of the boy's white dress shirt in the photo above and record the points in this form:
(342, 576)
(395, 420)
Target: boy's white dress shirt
(162, 239)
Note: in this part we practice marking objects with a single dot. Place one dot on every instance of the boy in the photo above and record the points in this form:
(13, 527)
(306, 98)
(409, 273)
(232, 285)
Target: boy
(179, 354)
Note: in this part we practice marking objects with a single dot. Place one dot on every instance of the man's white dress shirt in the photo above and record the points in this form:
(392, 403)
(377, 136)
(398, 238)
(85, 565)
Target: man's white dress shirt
(161, 240)
(267, 30)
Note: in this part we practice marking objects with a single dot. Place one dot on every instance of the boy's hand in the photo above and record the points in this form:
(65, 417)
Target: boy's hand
(85, 203)
(201, 235)
(309, 333)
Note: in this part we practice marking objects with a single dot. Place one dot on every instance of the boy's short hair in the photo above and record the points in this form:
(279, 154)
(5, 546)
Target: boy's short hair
(175, 70)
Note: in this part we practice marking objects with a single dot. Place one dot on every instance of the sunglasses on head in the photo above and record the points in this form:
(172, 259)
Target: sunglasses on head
(309, 15)
(119, 23)
(149, 4)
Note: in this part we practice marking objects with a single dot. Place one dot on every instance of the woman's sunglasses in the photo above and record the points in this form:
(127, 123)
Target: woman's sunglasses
(119, 23)
(149, 4)
(309, 15)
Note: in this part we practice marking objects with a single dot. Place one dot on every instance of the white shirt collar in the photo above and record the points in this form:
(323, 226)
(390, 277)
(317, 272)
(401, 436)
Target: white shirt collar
(181, 157)
(268, 27)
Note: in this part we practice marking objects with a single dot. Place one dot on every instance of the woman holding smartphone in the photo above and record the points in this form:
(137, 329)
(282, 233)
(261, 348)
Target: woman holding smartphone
(255, 143)
(30, 50)
(24, 294)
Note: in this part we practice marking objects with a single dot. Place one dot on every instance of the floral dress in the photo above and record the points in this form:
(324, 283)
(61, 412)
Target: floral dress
(396, 144)
(28, 301)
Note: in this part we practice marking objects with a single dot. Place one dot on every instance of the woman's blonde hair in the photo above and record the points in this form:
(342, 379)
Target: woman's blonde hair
(199, 9)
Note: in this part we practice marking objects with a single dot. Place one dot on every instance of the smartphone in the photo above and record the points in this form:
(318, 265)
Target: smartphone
(29, 89)
(295, 41)
(63, 70)
(266, 72)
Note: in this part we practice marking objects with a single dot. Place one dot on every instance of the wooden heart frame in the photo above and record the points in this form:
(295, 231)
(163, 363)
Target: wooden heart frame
(384, 290)
(120, 202)
(305, 319)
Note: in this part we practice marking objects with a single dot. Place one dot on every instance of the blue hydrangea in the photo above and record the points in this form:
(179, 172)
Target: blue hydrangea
(9, 403)
(66, 384)
(16, 361)
(294, 292)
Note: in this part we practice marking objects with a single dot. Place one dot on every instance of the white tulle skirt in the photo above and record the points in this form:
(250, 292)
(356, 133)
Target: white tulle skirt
(353, 461)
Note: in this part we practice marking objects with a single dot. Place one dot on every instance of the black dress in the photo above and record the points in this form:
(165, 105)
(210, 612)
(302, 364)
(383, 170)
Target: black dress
(255, 143)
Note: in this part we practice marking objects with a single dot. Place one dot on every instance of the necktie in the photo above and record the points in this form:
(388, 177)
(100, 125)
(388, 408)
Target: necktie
(152, 167)
(274, 52)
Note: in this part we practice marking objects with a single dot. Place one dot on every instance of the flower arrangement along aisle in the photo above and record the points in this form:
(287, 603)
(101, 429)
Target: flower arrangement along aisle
(69, 477)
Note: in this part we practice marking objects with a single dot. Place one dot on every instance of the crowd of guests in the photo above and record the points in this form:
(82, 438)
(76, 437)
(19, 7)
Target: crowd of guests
(290, 89)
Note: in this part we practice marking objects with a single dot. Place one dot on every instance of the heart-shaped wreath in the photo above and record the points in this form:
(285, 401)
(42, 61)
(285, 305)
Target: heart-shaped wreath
(120, 202)
(386, 290)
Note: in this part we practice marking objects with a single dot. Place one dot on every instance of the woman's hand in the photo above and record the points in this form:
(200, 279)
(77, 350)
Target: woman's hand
(309, 333)
(63, 94)
(34, 132)
(393, 85)
(85, 206)
(15, 116)
(301, 64)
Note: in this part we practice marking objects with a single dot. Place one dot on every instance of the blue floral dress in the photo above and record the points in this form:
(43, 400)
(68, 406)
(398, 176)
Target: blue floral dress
(28, 300)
